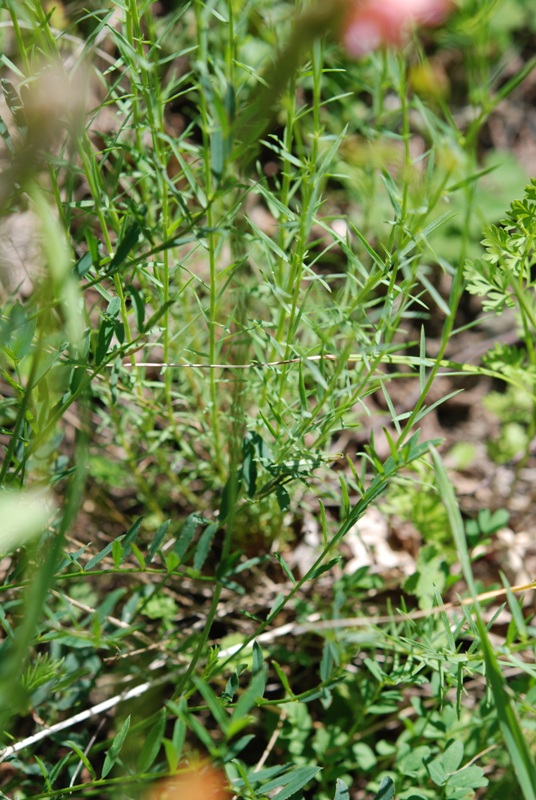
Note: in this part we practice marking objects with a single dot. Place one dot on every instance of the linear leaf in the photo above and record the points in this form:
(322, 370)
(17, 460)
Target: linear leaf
(291, 781)
(113, 753)
(152, 743)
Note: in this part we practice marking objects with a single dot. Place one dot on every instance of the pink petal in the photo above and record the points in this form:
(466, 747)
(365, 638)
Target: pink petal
(372, 23)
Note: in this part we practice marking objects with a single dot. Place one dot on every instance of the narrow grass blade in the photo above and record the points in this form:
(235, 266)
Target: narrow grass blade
(522, 760)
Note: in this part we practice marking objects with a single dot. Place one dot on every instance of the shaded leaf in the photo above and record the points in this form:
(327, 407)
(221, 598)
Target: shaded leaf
(113, 753)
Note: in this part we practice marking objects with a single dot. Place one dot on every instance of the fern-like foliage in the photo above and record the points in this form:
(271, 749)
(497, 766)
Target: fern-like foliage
(512, 363)
(503, 274)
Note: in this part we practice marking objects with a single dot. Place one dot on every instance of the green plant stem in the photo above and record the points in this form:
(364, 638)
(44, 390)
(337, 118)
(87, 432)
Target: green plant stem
(19, 37)
(456, 292)
(377, 487)
(184, 681)
(204, 59)
(21, 416)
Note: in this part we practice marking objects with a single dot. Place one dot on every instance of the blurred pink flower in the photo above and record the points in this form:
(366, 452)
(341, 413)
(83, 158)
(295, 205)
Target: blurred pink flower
(369, 24)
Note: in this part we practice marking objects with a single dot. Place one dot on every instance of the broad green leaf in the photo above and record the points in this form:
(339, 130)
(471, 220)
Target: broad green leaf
(341, 791)
(472, 777)
(83, 265)
(437, 771)
(386, 790)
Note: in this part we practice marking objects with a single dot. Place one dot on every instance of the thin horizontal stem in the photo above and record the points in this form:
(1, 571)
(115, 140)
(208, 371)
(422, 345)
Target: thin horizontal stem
(314, 623)
(456, 367)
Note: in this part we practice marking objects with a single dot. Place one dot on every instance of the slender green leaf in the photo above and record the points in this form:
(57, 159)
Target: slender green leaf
(292, 782)
(113, 753)
(159, 537)
(516, 743)
(152, 744)
(203, 546)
